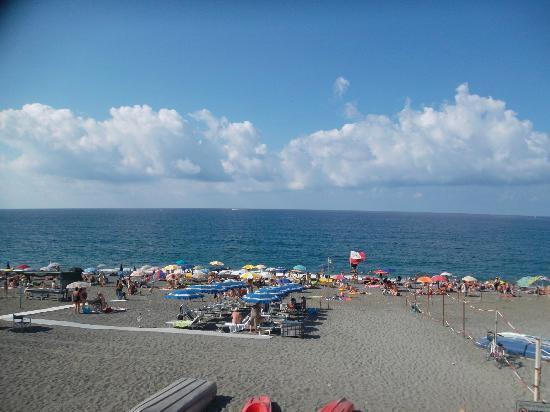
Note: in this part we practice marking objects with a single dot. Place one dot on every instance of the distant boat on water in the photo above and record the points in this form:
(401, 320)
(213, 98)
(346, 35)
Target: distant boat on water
(235, 209)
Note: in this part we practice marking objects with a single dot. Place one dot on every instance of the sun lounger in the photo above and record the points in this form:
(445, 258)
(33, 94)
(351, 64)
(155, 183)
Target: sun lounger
(237, 327)
(186, 394)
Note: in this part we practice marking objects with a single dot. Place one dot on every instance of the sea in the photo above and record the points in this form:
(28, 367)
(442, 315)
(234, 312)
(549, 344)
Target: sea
(407, 244)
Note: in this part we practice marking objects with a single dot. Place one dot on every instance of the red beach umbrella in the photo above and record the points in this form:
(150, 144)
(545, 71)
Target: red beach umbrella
(23, 267)
(439, 278)
(379, 272)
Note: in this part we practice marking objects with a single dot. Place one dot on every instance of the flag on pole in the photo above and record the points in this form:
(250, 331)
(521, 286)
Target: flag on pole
(356, 257)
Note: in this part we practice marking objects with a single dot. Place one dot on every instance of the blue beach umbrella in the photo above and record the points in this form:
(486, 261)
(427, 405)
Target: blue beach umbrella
(90, 270)
(206, 289)
(267, 296)
(284, 281)
(300, 268)
(251, 299)
(183, 296)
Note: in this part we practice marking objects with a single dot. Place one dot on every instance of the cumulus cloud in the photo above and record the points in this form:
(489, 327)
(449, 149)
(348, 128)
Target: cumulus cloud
(134, 143)
(471, 141)
(340, 86)
(475, 140)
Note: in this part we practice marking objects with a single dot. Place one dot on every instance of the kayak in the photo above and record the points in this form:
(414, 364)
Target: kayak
(339, 405)
(260, 403)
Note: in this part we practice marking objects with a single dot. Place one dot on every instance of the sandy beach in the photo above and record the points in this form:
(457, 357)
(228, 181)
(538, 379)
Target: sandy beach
(373, 350)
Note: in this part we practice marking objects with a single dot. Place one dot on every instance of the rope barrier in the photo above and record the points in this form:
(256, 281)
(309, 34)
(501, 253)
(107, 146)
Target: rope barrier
(472, 340)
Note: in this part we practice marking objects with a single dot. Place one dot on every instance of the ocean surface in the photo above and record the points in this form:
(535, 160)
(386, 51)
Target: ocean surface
(408, 243)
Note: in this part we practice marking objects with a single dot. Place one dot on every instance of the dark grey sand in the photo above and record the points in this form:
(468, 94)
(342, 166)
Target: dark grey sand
(372, 350)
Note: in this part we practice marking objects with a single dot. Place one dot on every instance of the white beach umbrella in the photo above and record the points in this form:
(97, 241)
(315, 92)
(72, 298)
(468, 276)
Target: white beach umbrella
(469, 279)
(78, 285)
(446, 274)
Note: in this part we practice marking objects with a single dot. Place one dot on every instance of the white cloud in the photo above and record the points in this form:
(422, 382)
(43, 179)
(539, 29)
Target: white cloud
(476, 140)
(135, 143)
(472, 141)
(340, 86)
(351, 111)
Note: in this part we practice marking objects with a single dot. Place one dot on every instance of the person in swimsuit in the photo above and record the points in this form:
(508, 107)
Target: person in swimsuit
(76, 300)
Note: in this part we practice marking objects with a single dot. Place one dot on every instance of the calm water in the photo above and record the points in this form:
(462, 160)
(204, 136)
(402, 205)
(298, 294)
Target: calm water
(407, 242)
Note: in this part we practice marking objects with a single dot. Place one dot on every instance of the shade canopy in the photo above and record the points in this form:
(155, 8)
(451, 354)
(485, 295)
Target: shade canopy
(424, 279)
(300, 268)
(469, 279)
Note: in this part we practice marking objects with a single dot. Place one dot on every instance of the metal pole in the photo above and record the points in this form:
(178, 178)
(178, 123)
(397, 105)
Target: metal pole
(20, 296)
(443, 306)
(463, 318)
(496, 326)
(536, 386)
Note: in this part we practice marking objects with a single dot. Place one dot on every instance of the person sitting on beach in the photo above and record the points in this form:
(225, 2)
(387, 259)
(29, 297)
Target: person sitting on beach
(236, 317)
(83, 296)
(76, 300)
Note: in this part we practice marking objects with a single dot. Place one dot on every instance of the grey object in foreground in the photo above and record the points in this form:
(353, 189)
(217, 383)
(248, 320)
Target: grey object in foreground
(184, 395)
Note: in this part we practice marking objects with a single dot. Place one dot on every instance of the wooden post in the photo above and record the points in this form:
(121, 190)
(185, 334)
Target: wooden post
(443, 307)
(536, 386)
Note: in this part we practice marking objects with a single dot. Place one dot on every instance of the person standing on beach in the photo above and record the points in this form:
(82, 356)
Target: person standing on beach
(76, 300)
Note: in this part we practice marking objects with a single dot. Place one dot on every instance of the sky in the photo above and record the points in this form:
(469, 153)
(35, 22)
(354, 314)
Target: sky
(405, 106)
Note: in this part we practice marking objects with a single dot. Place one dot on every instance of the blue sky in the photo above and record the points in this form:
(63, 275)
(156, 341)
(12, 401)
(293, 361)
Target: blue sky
(249, 99)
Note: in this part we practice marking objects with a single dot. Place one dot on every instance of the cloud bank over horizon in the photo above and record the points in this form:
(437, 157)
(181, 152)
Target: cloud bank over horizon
(473, 140)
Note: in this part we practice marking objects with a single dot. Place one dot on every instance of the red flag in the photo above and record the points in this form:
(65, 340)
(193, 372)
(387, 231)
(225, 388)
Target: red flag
(356, 257)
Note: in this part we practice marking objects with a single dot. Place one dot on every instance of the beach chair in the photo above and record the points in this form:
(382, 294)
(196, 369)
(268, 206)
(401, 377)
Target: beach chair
(21, 321)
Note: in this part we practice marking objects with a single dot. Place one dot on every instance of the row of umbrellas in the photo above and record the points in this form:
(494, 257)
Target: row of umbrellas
(263, 295)
(443, 277)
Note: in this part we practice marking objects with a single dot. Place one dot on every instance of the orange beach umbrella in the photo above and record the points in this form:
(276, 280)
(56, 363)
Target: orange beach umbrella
(424, 279)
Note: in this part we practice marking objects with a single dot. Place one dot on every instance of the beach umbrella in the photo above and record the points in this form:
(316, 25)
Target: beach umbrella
(379, 272)
(247, 275)
(216, 263)
(22, 267)
(284, 281)
(248, 267)
(446, 274)
(260, 267)
(469, 279)
(78, 285)
(339, 277)
(264, 296)
(184, 296)
(169, 268)
(528, 281)
(137, 274)
(90, 270)
(206, 289)
(180, 262)
(424, 279)
(300, 268)
(439, 278)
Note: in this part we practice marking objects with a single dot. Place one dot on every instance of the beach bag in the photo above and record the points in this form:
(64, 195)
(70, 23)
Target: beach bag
(87, 310)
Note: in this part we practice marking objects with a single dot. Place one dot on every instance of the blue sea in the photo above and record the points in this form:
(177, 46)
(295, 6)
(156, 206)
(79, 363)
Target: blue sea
(408, 243)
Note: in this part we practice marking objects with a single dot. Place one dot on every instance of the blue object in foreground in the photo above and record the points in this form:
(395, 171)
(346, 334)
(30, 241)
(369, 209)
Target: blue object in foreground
(185, 296)
(518, 344)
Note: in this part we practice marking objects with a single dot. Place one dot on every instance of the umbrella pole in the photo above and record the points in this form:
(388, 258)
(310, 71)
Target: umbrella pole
(536, 385)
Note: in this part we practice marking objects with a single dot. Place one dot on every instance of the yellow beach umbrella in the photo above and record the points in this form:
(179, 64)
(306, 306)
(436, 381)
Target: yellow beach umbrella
(170, 267)
(247, 275)
(248, 267)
